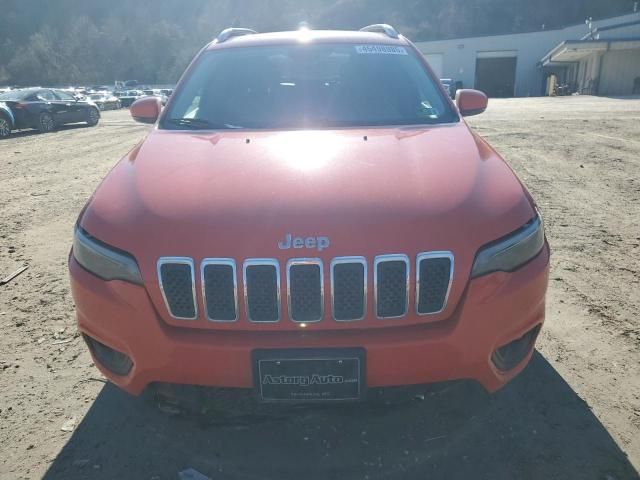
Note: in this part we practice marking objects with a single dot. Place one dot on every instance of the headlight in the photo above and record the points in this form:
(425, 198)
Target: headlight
(103, 261)
(512, 251)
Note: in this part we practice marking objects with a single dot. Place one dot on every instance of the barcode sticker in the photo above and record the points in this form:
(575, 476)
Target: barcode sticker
(381, 50)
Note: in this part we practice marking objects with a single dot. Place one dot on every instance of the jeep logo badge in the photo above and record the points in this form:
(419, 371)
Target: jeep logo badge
(303, 242)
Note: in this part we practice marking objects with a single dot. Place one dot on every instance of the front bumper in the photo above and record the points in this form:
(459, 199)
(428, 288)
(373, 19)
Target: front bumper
(495, 310)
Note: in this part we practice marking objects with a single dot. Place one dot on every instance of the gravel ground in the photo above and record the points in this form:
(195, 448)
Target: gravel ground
(573, 413)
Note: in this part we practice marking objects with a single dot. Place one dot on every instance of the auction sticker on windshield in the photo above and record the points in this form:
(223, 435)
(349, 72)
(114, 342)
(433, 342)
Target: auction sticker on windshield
(381, 49)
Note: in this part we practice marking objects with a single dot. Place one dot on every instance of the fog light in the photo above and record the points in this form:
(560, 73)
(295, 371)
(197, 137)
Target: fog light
(111, 359)
(509, 356)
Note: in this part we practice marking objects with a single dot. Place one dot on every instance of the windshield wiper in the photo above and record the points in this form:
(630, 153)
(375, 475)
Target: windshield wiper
(198, 123)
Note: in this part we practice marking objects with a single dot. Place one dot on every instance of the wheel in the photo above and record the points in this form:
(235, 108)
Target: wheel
(46, 123)
(5, 127)
(92, 117)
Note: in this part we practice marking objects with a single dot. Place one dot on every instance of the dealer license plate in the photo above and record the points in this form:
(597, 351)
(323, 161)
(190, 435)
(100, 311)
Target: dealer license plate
(309, 375)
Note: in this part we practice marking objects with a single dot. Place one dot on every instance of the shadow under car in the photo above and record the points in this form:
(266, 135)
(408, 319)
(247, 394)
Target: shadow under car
(536, 427)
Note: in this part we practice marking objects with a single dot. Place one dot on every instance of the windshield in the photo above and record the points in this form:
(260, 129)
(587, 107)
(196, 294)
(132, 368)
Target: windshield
(308, 86)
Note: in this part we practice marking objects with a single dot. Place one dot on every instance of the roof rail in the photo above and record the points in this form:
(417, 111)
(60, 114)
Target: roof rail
(388, 30)
(227, 33)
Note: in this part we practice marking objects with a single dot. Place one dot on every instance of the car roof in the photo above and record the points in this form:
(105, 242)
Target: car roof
(24, 92)
(308, 36)
(30, 89)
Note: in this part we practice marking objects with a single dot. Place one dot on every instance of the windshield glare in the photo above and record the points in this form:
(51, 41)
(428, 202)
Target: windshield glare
(308, 86)
(12, 95)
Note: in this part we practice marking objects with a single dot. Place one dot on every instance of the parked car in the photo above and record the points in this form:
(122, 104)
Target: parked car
(156, 93)
(44, 109)
(127, 97)
(314, 223)
(7, 120)
(105, 100)
(449, 87)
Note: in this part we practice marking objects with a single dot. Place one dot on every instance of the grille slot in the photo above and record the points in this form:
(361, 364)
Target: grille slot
(262, 290)
(434, 272)
(349, 288)
(305, 290)
(219, 289)
(391, 278)
(177, 283)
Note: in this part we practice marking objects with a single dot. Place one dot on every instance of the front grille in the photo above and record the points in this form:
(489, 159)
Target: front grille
(349, 288)
(262, 290)
(304, 284)
(392, 285)
(219, 289)
(177, 284)
(434, 274)
(305, 287)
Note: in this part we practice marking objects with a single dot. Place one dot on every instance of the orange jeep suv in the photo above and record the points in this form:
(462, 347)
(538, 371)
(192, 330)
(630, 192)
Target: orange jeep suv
(310, 217)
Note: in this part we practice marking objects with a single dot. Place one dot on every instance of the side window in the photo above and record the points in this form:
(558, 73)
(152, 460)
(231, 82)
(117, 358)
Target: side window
(46, 95)
(64, 96)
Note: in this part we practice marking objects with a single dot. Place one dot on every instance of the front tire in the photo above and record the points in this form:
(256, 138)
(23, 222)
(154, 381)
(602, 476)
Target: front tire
(93, 116)
(5, 127)
(46, 123)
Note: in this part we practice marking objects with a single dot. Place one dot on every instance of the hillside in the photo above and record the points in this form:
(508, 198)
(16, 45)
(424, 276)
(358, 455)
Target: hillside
(76, 41)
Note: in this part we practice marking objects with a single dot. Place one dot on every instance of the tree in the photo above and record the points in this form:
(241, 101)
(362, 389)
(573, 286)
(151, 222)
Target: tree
(79, 41)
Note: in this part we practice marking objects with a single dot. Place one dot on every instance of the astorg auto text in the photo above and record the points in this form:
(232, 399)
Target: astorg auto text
(303, 380)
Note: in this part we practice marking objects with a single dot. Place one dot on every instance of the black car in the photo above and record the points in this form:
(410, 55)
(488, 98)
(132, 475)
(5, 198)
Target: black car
(44, 109)
(449, 87)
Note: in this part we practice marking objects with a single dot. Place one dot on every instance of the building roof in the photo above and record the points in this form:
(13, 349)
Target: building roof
(574, 50)
(630, 18)
(618, 25)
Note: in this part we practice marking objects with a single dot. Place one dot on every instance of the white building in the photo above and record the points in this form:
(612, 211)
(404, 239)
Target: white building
(601, 59)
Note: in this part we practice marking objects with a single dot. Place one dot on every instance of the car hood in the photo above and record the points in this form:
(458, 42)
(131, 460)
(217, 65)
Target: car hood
(237, 194)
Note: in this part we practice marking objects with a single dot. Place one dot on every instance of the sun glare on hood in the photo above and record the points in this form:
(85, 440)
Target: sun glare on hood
(306, 150)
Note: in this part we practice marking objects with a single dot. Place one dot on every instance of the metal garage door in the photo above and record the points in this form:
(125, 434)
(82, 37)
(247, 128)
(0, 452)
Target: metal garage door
(435, 61)
(496, 72)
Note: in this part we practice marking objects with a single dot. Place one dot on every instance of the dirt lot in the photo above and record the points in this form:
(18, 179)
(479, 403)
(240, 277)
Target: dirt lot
(574, 413)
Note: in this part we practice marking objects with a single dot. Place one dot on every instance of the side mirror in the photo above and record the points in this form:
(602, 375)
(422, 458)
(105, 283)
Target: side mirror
(471, 102)
(146, 110)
